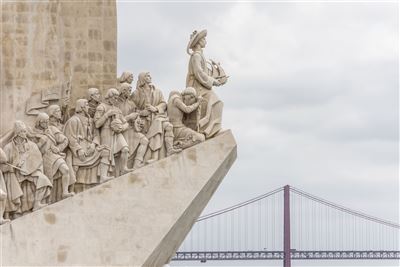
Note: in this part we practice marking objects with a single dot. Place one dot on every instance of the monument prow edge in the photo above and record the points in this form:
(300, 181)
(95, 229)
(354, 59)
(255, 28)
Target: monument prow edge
(137, 219)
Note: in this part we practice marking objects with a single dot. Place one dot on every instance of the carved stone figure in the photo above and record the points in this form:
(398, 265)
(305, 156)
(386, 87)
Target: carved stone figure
(180, 104)
(136, 140)
(55, 116)
(94, 99)
(125, 104)
(126, 77)
(26, 184)
(201, 78)
(52, 142)
(111, 124)
(152, 106)
(89, 159)
(3, 189)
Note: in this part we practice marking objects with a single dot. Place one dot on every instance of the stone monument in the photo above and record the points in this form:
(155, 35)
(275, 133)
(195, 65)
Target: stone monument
(91, 172)
(52, 52)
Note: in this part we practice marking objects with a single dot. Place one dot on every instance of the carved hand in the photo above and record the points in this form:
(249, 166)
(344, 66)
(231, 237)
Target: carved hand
(5, 168)
(111, 112)
(144, 113)
(216, 82)
(151, 108)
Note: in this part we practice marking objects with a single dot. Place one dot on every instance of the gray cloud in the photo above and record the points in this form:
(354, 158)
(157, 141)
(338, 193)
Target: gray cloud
(312, 98)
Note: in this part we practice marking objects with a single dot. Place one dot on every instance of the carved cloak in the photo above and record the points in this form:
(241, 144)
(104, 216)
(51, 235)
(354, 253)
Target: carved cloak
(198, 78)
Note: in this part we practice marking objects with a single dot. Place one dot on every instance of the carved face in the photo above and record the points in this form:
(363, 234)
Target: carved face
(129, 79)
(189, 99)
(147, 78)
(113, 100)
(202, 42)
(22, 133)
(126, 91)
(57, 113)
(96, 96)
(44, 123)
(85, 108)
(138, 124)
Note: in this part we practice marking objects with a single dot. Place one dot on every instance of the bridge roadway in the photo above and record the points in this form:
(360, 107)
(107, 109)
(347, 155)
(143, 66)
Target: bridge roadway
(279, 255)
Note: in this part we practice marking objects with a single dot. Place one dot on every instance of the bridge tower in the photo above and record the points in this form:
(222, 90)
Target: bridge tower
(286, 226)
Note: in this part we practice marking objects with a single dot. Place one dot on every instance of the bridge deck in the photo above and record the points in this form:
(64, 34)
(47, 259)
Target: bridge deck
(278, 255)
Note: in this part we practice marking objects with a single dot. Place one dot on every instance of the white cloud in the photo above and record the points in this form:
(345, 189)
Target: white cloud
(312, 98)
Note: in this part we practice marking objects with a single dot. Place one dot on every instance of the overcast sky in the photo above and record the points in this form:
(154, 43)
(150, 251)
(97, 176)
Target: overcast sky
(312, 98)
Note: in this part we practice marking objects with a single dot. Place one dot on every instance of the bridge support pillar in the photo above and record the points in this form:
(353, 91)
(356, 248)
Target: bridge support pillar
(286, 227)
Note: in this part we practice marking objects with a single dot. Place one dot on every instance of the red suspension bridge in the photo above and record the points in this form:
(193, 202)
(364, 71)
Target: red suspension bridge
(289, 224)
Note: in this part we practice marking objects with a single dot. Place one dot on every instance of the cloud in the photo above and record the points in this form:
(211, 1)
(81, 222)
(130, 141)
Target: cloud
(312, 96)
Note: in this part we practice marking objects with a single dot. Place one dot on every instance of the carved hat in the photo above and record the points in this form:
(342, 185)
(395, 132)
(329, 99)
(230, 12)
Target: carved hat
(195, 37)
(19, 126)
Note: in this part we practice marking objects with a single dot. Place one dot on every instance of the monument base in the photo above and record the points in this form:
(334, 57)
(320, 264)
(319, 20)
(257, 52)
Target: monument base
(138, 219)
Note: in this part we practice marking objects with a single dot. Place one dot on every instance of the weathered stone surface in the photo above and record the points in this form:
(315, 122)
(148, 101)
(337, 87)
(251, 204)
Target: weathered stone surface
(45, 43)
(138, 219)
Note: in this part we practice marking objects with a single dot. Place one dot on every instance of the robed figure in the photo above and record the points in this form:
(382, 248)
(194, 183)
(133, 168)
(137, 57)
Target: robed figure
(3, 188)
(52, 143)
(153, 108)
(26, 184)
(200, 78)
(88, 159)
(111, 124)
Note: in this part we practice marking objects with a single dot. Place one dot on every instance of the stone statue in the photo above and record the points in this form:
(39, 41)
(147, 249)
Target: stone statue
(136, 140)
(126, 77)
(55, 116)
(202, 79)
(94, 99)
(26, 184)
(52, 142)
(152, 106)
(89, 159)
(3, 189)
(180, 104)
(125, 104)
(111, 124)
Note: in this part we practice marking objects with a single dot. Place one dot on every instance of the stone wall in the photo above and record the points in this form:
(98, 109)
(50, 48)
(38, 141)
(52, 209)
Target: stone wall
(46, 43)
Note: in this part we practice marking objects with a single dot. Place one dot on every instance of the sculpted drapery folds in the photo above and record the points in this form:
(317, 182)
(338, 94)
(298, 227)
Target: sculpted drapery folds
(136, 140)
(199, 78)
(89, 159)
(180, 104)
(3, 189)
(52, 142)
(152, 106)
(111, 124)
(26, 184)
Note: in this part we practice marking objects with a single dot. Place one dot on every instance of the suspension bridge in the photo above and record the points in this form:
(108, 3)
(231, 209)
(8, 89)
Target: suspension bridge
(290, 224)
